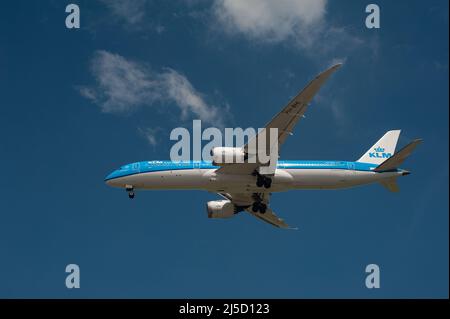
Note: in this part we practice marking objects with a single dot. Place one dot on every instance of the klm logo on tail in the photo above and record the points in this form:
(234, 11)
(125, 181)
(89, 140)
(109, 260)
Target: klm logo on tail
(383, 149)
(379, 153)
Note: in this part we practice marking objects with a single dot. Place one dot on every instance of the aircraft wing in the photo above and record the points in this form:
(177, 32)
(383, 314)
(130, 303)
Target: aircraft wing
(289, 116)
(270, 217)
(245, 200)
(284, 121)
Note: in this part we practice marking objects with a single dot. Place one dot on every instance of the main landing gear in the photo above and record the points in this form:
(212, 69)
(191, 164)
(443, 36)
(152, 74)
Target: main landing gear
(130, 191)
(262, 180)
(258, 205)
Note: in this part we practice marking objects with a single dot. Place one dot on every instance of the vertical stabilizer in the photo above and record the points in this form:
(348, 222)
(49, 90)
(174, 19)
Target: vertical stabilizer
(383, 149)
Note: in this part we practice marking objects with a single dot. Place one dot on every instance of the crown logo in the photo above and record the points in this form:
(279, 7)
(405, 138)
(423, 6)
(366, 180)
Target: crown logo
(379, 149)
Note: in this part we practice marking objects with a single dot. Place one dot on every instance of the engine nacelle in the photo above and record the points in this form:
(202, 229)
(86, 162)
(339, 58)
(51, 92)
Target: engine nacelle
(226, 155)
(220, 209)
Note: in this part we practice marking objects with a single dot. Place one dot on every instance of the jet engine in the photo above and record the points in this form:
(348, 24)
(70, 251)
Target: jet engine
(225, 155)
(220, 209)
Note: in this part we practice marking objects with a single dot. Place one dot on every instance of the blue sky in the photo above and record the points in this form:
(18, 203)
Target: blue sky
(76, 104)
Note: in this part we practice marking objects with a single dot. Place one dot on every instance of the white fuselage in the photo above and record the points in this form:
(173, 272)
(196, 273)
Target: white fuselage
(283, 180)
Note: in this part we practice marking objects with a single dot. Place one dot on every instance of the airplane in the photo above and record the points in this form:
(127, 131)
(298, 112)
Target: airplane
(243, 187)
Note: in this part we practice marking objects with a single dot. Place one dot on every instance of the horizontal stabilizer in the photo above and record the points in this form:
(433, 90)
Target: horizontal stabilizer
(391, 184)
(398, 158)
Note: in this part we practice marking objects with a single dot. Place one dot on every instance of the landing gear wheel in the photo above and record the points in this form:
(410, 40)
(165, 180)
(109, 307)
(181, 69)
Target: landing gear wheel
(259, 207)
(263, 181)
(262, 208)
(130, 191)
(259, 182)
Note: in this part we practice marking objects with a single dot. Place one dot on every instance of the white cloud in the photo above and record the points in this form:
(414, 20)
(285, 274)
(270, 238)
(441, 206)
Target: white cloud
(124, 86)
(151, 135)
(299, 23)
(133, 15)
(332, 104)
(160, 29)
(87, 93)
(180, 90)
(129, 11)
(269, 20)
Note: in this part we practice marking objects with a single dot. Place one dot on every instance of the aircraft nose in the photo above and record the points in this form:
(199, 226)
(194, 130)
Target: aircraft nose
(109, 178)
(404, 173)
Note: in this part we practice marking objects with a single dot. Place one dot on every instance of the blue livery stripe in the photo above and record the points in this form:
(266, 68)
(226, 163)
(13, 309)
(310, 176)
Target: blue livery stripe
(158, 166)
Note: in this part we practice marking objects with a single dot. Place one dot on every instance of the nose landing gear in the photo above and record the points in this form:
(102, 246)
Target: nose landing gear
(130, 191)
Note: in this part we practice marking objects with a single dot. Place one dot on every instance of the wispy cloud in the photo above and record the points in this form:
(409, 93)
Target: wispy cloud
(178, 89)
(150, 134)
(131, 12)
(133, 15)
(87, 93)
(339, 112)
(298, 23)
(269, 20)
(124, 86)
